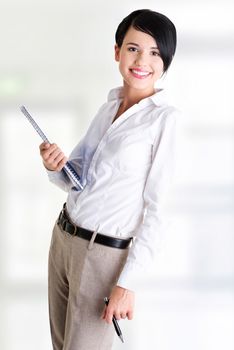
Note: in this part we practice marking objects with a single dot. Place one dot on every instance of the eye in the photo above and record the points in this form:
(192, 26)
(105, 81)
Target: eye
(132, 49)
(155, 53)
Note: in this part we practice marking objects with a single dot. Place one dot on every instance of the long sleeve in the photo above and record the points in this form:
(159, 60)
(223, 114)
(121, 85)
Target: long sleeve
(78, 157)
(148, 237)
(60, 178)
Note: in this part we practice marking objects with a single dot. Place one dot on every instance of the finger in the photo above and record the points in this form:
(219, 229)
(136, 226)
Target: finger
(109, 316)
(48, 152)
(52, 148)
(130, 315)
(55, 154)
(61, 164)
(117, 316)
(123, 315)
(43, 146)
(59, 157)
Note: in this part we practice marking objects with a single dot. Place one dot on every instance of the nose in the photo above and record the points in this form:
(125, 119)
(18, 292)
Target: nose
(140, 59)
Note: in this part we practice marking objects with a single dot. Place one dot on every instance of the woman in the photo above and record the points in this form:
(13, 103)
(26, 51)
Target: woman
(107, 234)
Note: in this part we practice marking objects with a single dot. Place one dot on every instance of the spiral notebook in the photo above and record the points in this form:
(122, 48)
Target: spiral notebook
(68, 168)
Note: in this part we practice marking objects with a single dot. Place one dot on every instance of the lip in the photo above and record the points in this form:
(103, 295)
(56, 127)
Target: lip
(139, 70)
(139, 76)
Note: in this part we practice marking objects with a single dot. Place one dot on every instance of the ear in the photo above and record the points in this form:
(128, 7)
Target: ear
(117, 50)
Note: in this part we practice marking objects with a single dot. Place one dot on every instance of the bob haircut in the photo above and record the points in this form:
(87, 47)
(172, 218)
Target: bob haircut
(155, 24)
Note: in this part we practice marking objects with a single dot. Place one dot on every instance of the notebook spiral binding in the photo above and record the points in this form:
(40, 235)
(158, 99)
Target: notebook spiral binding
(68, 168)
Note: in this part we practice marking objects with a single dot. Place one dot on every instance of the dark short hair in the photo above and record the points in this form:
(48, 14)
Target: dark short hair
(155, 24)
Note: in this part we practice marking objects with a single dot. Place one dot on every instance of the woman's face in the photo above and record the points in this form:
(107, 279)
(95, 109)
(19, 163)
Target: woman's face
(139, 60)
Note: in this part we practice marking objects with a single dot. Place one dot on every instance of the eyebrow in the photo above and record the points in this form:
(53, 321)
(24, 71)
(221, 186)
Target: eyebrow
(138, 45)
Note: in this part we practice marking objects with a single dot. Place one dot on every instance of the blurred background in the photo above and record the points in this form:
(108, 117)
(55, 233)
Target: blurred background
(57, 58)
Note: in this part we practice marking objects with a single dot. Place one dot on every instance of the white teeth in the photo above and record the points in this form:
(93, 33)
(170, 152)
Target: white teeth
(140, 73)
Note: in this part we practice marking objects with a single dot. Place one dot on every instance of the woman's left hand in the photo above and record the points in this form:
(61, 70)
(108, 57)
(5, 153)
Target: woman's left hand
(121, 304)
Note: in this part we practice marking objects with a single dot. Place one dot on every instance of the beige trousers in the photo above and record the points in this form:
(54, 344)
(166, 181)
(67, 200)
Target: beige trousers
(81, 273)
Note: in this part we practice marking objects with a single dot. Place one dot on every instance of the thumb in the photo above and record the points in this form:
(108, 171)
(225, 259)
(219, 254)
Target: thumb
(44, 145)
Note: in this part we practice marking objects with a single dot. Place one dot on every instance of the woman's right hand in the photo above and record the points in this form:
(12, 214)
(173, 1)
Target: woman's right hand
(52, 156)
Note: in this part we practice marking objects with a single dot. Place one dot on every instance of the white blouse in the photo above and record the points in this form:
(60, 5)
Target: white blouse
(126, 168)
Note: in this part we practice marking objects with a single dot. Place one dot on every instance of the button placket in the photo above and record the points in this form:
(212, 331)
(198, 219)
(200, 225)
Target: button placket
(132, 110)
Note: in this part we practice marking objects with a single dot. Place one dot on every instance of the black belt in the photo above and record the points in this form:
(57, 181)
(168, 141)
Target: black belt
(66, 224)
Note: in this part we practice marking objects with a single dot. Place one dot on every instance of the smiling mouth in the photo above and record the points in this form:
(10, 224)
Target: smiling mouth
(140, 74)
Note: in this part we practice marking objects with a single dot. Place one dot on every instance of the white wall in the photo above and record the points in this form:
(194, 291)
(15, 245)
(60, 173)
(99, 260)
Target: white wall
(57, 56)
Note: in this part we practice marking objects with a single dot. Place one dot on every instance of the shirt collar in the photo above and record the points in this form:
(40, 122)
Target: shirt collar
(158, 98)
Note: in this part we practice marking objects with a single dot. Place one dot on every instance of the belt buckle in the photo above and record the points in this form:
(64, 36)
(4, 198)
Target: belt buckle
(62, 224)
(75, 231)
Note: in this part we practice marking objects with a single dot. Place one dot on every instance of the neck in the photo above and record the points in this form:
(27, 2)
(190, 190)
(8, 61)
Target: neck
(132, 96)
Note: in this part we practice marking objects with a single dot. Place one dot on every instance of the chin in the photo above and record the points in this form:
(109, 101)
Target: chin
(139, 86)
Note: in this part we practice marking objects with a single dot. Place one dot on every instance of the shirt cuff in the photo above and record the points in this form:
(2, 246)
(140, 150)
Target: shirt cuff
(60, 179)
(130, 277)
(53, 174)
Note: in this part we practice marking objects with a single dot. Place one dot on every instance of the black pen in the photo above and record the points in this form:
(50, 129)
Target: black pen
(118, 330)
